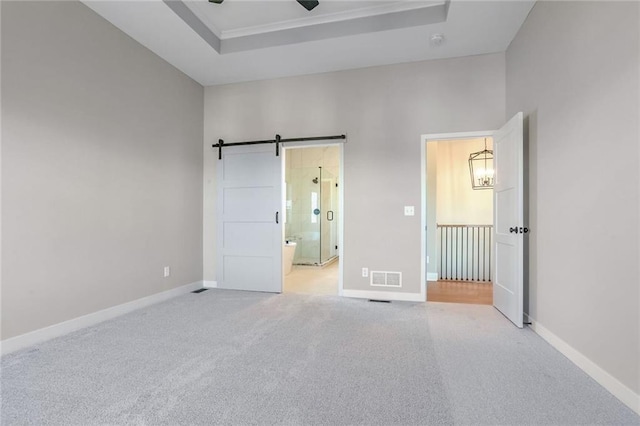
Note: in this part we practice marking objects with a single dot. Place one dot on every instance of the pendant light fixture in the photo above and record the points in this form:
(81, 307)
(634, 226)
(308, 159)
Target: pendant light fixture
(481, 168)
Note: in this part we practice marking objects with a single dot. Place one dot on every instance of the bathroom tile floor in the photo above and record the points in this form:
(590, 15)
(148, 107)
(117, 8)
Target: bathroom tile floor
(313, 279)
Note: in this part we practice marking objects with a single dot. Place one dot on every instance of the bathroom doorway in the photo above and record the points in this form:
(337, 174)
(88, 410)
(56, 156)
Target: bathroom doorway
(459, 220)
(312, 194)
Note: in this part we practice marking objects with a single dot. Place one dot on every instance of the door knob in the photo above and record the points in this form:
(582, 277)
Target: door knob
(512, 230)
(524, 230)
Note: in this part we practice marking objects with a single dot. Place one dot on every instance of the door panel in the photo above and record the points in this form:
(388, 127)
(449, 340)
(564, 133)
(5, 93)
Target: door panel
(251, 273)
(509, 213)
(249, 203)
(236, 163)
(236, 236)
(249, 223)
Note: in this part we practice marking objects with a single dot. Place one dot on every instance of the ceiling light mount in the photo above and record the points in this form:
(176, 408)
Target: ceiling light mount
(436, 39)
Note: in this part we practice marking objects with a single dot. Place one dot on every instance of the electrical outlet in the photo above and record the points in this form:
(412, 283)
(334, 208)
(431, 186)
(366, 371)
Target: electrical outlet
(409, 210)
(167, 271)
(365, 272)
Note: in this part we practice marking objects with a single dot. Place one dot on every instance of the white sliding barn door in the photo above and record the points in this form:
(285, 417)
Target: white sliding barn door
(508, 220)
(249, 219)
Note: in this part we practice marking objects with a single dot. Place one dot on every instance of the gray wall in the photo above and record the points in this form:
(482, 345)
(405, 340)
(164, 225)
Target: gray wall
(383, 111)
(573, 69)
(101, 167)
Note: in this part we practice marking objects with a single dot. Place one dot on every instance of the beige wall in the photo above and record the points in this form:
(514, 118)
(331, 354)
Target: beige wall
(574, 70)
(457, 203)
(101, 167)
(431, 174)
(383, 111)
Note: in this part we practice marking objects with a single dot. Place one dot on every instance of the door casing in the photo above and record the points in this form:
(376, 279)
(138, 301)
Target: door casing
(424, 139)
(341, 185)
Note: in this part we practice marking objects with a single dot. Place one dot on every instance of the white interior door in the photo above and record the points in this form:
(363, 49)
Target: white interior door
(249, 219)
(508, 216)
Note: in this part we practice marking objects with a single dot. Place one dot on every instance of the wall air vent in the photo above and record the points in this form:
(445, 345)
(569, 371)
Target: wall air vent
(386, 279)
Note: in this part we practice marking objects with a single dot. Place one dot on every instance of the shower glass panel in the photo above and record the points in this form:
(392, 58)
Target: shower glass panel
(329, 220)
(304, 213)
(311, 214)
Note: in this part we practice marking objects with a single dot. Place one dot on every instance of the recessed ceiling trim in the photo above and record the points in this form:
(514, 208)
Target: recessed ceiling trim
(409, 18)
(189, 18)
(404, 15)
(330, 18)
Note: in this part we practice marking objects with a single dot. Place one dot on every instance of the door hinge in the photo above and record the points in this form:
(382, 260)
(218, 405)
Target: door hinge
(521, 230)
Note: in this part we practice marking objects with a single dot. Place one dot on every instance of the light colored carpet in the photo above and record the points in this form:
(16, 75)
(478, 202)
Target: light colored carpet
(226, 357)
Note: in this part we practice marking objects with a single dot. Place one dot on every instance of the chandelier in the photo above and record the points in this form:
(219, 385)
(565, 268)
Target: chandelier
(481, 168)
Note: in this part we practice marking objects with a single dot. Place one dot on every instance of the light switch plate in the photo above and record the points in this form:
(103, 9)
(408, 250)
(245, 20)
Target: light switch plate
(409, 211)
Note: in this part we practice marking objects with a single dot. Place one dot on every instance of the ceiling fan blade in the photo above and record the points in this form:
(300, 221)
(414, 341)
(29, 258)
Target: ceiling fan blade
(307, 4)
(216, 1)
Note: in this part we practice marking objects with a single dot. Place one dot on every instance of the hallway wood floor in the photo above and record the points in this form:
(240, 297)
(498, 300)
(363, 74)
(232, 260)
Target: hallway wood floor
(460, 292)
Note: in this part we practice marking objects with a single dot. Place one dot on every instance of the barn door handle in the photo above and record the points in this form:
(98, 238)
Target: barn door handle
(277, 217)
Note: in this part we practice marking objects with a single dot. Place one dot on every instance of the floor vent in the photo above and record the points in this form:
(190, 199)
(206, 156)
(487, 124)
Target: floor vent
(200, 290)
(379, 301)
(386, 279)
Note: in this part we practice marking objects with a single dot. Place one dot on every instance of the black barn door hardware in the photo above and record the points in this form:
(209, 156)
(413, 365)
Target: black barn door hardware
(278, 140)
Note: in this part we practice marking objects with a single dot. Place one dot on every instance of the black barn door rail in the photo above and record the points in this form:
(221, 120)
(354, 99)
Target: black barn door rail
(278, 140)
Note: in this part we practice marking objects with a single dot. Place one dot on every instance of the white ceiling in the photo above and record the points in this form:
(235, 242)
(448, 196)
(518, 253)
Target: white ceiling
(245, 40)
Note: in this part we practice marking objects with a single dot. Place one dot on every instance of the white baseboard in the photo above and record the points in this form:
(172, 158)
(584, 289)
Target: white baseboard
(432, 276)
(210, 284)
(38, 336)
(383, 295)
(610, 383)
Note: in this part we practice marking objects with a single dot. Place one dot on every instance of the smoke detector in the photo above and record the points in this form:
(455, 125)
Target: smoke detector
(436, 39)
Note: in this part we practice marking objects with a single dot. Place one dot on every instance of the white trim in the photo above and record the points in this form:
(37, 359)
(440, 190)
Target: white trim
(424, 277)
(327, 18)
(209, 284)
(423, 218)
(341, 182)
(457, 135)
(383, 295)
(38, 336)
(597, 373)
(432, 276)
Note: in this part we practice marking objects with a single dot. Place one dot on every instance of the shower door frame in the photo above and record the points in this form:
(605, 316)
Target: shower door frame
(340, 235)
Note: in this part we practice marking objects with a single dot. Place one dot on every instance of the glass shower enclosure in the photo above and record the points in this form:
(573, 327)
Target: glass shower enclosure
(312, 213)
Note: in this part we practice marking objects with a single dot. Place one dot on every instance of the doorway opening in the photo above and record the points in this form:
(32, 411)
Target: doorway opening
(458, 216)
(312, 219)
